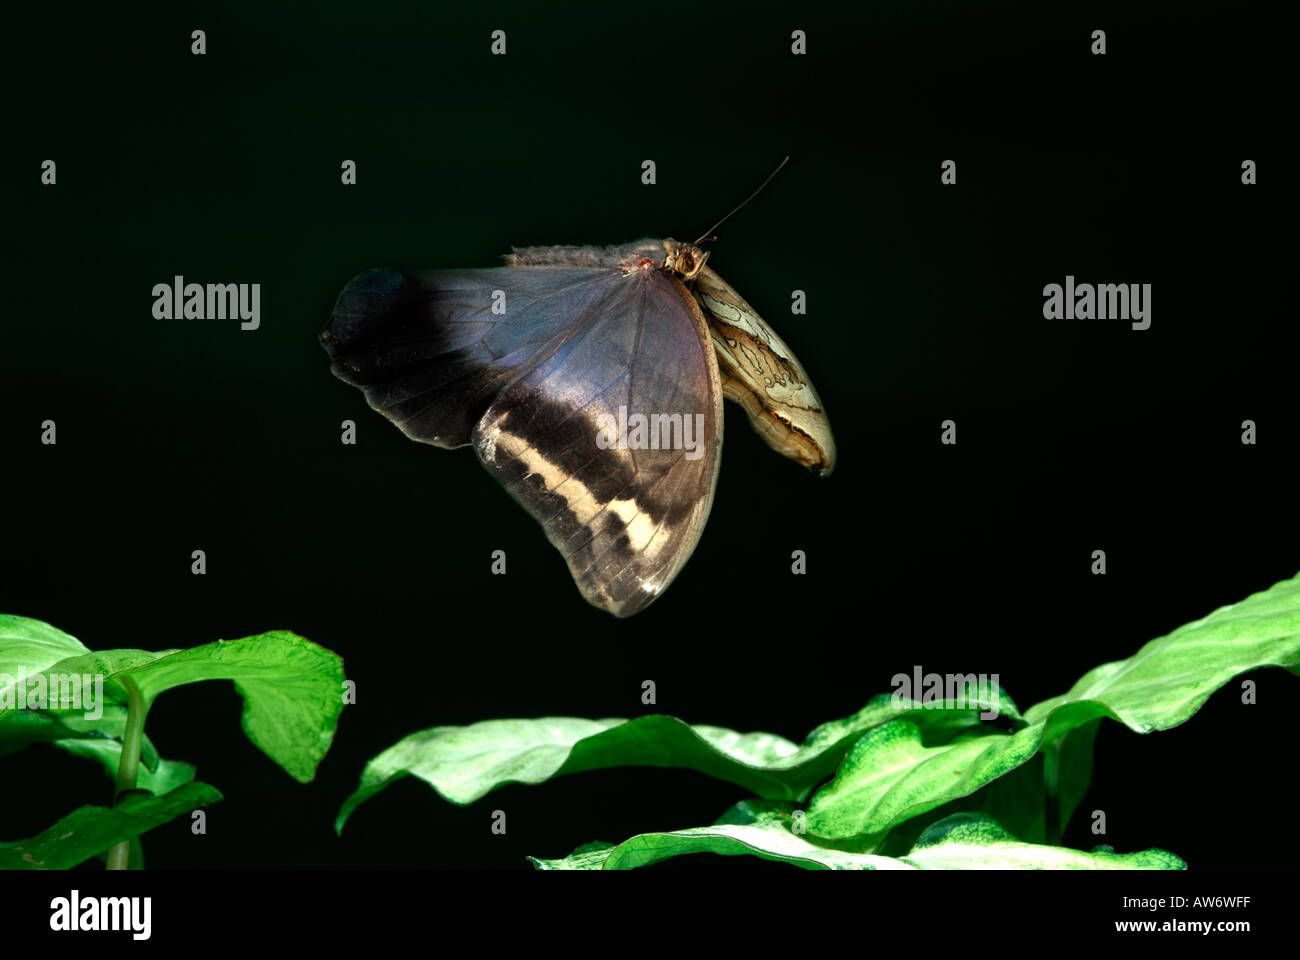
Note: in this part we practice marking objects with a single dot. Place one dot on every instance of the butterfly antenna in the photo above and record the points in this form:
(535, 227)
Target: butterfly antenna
(709, 231)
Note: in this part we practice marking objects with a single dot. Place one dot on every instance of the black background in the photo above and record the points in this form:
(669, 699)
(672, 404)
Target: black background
(925, 303)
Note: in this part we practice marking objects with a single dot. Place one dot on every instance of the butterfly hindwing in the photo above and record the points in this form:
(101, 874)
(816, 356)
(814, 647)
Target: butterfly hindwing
(625, 519)
(589, 338)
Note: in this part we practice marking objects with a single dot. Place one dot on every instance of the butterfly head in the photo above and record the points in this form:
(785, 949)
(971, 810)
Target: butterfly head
(686, 260)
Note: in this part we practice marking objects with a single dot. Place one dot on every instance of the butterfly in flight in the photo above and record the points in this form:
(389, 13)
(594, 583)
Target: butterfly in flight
(589, 381)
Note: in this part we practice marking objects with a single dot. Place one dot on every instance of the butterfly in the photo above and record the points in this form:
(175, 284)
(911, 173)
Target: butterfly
(589, 381)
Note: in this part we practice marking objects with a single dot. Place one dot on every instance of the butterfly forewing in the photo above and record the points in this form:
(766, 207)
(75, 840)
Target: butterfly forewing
(429, 353)
(586, 342)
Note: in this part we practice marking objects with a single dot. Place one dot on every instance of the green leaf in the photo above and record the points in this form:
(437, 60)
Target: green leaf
(29, 648)
(1053, 781)
(21, 728)
(970, 841)
(31, 645)
(890, 775)
(292, 688)
(466, 763)
(1169, 679)
(1067, 773)
(167, 775)
(89, 831)
(964, 841)
(758, 828)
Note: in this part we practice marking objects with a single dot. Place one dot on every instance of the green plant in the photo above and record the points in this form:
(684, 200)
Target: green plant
(293, 695)
(910, 786)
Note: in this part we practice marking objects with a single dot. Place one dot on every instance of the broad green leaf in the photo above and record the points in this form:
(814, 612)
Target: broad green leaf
(955, 715)
(88, 831)
(969, 841)
(1052, 782)
(890, 775)
(20, 728)
(465, 763)
(964, 841)
(292, 688)
(1067, 774)
(1169, 679)
(900, 839)
(28, 648)
(758, 828)
(31, 646)
(167, 775)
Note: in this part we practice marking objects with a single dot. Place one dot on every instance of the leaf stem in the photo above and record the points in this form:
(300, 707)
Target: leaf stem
(128, 768)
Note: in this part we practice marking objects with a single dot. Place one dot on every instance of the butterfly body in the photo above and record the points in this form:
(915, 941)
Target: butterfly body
(542, 366)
